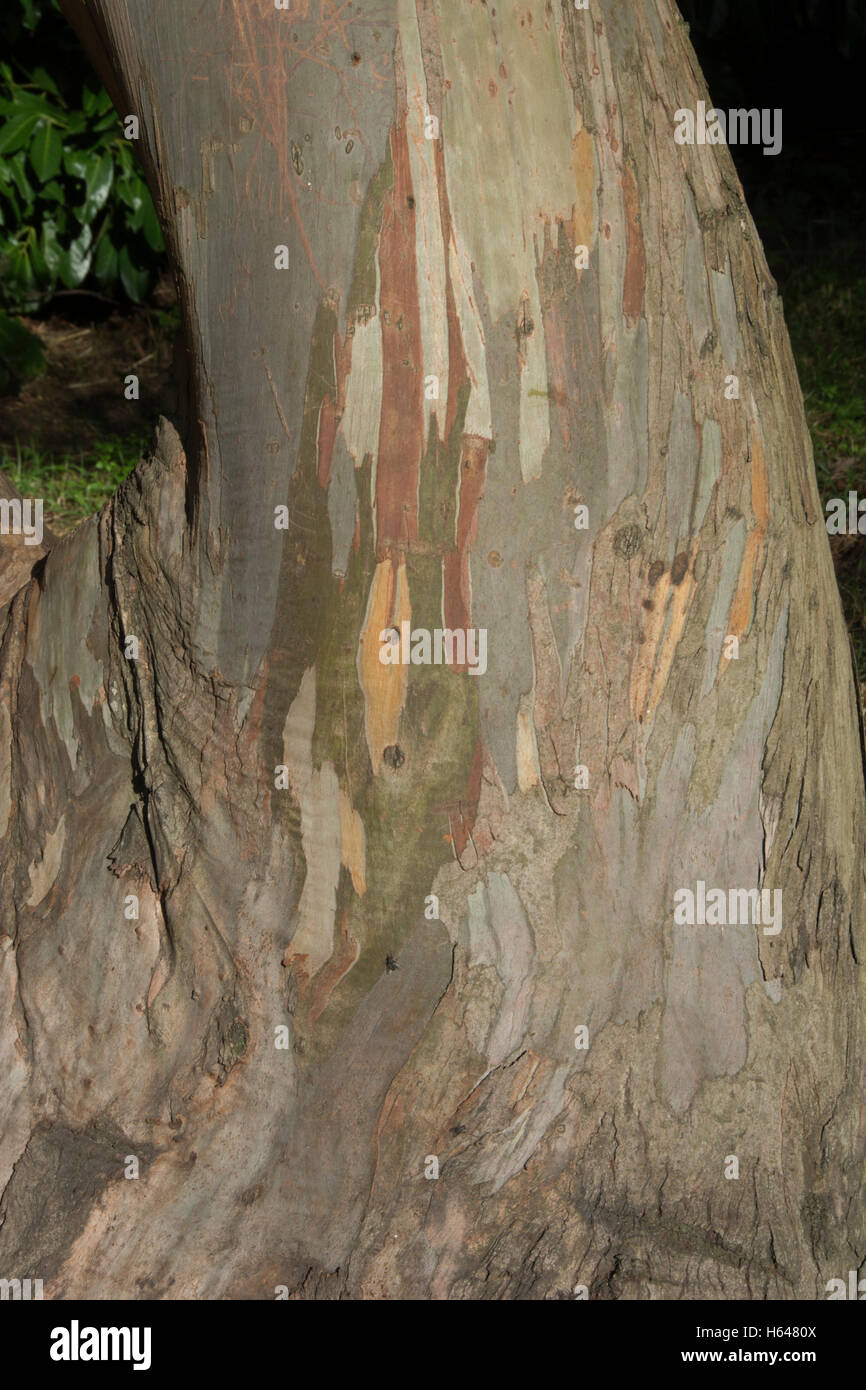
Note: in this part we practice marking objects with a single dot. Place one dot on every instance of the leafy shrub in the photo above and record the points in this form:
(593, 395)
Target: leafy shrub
(73, 484)
(73, 202)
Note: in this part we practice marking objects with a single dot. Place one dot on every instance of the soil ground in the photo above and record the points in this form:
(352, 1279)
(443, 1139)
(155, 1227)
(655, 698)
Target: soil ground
(79, 400)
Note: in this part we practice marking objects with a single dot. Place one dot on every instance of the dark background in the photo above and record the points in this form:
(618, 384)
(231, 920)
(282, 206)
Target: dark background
(808, 202)
(807, 57)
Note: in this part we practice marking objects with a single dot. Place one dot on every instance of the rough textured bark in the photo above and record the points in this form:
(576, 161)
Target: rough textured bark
(19, 549)
(262, 906)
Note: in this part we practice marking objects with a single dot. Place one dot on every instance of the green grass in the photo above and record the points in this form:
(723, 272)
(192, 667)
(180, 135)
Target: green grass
(827, 322)
(72, 485)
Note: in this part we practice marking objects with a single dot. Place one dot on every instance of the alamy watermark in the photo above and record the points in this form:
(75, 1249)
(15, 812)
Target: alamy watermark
(22, 517)
(716, 907)
(443, 646)
(737, 126)
(846, 521)
(856, 1288)
(76, 1343)
(20, 1290)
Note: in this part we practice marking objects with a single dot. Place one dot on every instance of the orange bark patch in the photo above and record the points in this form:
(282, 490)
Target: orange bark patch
(679, 611)
(352, 843)
(663, 626)
(384, 686)
(752, 567)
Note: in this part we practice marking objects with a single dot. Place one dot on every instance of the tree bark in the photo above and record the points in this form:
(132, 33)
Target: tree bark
(22, 545)
(393, 862)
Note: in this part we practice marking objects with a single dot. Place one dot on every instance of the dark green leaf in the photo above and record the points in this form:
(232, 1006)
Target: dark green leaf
(39, 263)
(150, 226)
(32, 11)
(20, 273)
(46, 152)
(125, 160)
(44, 80)
(97, 185)
(75, 263)
(37, 103)
(22, 183)
(17, 131)
(75, 164)
(13, 203)
(51, 249)
(105, 262)
(135, 281)
(131, 191)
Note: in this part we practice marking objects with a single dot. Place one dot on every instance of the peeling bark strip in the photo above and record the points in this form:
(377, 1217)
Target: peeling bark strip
(286, 921)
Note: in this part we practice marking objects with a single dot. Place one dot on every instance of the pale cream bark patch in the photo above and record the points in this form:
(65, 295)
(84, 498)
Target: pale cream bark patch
(505, 185)
(429, 249)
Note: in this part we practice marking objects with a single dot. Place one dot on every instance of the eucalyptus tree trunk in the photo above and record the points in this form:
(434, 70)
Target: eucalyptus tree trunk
(376, 969)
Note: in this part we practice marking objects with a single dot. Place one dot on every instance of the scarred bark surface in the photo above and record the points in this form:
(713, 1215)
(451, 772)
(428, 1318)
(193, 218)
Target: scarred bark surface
(267, 899)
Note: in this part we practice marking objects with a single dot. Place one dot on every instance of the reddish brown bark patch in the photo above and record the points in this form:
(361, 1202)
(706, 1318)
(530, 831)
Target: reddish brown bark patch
(458, 374)
(327, 435)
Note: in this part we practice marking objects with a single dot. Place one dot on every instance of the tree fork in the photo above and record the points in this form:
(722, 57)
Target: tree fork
(513, 302)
